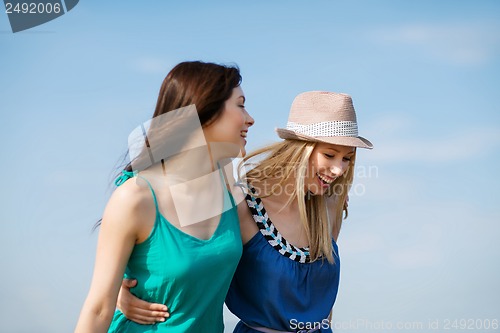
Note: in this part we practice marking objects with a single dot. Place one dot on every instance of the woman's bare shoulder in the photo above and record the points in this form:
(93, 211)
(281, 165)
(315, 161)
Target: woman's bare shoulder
(130, 204)
(135, 192)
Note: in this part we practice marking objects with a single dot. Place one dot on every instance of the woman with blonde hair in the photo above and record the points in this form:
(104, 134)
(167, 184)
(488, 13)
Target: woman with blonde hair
(296, 193)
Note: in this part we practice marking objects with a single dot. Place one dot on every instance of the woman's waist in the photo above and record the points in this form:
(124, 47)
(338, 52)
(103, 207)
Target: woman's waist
(179, 321)
(280, 313)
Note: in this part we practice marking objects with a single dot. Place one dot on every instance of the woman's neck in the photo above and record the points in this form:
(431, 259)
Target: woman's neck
(187, 165)
(281, 194)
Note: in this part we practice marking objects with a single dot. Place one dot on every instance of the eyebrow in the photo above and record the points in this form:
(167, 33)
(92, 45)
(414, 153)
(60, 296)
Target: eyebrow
(350, 152)
(243, 98)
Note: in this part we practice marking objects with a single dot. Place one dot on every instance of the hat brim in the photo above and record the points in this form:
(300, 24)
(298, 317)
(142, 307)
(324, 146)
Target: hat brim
(348, 141)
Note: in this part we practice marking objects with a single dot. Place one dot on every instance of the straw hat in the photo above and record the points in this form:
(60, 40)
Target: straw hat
(323, 116)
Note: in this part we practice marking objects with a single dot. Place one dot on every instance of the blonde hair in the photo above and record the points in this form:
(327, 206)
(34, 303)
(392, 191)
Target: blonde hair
(281, 160)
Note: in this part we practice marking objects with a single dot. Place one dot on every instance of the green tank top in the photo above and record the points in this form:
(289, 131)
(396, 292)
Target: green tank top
(190, 276)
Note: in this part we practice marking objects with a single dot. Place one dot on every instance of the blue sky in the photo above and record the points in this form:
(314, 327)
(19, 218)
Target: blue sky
(420, 243)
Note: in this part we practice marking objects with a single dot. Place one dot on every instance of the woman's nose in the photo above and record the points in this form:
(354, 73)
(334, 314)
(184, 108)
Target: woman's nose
(250, 121)
(338, 169)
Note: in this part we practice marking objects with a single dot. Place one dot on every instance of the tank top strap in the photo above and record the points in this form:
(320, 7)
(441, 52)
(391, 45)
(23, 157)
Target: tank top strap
(153, 193)
(126, 175)
(233, 203)
(226, 187)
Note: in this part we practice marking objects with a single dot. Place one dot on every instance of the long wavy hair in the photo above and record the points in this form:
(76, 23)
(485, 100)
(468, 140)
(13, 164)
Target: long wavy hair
(205, 85)
(290, 158)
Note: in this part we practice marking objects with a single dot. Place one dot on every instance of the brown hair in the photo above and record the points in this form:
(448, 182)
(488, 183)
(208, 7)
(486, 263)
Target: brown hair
(207, 85)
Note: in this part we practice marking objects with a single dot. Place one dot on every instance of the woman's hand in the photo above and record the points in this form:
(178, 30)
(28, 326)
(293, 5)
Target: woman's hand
(137, 310)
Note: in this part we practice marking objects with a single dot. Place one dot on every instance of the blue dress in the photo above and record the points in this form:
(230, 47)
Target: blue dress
(275, 284)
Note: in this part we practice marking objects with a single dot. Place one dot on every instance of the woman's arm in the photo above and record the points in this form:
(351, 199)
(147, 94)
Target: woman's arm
(137, 310)
(117, 237)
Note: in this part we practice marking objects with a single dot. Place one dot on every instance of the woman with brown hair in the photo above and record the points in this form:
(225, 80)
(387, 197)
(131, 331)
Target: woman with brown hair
(172, 223)
(296, 193)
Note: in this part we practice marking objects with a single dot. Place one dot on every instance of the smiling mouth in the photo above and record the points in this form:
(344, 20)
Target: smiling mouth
(243, 134)
(325, 180)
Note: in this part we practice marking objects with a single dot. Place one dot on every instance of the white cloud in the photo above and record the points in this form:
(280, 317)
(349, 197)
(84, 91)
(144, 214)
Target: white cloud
(459, 44)
(444, 149)
(153, 65)
(363, 242)
(35, 300)
(412, 258)
(390, 123)
(422, 233)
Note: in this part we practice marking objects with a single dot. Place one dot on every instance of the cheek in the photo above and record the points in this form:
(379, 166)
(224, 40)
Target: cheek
(239, 119)
(345, 167)
(319, 164)
(234, 120)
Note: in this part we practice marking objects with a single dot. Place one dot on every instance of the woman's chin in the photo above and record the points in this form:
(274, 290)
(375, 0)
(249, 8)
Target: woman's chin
(316, 190)
(243, 152)
(222, 150)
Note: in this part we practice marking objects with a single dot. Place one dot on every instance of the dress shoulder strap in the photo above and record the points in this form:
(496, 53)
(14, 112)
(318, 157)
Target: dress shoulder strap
(226, 187)
(126, 175)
